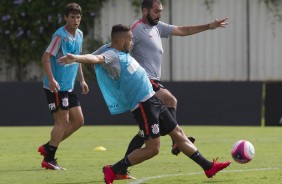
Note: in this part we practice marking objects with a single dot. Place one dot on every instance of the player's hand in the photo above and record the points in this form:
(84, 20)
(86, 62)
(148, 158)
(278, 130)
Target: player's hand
(54, 86)
(218, 23)
(84, 87)
(67, 59)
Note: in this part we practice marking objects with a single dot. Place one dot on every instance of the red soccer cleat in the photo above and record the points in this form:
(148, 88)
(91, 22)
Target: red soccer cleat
(123, 176)
(42, 151)
(109, 174)
(53, 165)
(216, 167)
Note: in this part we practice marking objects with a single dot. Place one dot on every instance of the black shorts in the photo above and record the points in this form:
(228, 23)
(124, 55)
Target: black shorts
(156, 84)
(63, 100)
(153, 118)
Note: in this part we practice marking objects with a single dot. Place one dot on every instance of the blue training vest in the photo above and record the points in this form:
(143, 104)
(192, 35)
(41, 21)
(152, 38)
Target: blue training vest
(65, 75)
(132, 86)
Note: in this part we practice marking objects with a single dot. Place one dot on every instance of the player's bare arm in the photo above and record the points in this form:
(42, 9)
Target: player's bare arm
(190, 30)
(54, 86)
(83, 84)
(86, 59)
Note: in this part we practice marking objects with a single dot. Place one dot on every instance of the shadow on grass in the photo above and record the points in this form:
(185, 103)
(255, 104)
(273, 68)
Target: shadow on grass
(218, 181)
(19, 170)
(85, 182)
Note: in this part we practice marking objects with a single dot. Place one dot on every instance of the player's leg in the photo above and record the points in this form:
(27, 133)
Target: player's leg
(76, 118)
(171, 103)
(168, 99)
(147, 116)
(150, 150)
(190, 150)
(60, 111)
(76, 121)
(61, 122)
(136, 142)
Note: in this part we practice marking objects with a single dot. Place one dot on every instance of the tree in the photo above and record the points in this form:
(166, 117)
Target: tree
(27, 26)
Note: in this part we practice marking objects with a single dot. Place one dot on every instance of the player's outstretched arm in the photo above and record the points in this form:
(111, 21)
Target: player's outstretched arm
(190, 30)
(86, 58)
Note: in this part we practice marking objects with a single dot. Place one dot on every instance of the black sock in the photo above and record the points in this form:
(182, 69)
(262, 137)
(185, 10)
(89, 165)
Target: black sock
(51, 151)
(173, 113)
(199, 159)
(45, 145)
(121, 165)
(134, 144)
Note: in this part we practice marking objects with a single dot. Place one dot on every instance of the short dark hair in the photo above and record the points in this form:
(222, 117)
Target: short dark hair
(148, 4)
(73, 8)
(119, 28)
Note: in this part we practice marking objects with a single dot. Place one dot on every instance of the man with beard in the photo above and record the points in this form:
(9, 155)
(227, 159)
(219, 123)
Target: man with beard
(147, 50)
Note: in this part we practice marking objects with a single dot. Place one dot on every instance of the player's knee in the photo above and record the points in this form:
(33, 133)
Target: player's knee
(62, 123)
(174, 102)
(80, 122)
(177, 134)
(180, 132)
(153, 151)
(171, 101)
(77, 123)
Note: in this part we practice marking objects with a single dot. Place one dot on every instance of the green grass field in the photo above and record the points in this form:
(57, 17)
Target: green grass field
(20, 161)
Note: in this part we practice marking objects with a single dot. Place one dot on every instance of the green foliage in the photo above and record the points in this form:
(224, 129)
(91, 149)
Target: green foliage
(136, 4)
(27, 26)
(274, 6)
(208, 4)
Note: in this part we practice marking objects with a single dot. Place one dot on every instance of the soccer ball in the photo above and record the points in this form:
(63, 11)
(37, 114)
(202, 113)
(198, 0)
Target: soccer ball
(243, 151)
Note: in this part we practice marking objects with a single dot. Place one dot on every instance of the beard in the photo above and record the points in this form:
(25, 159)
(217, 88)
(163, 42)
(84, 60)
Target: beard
(152, 21)
(126, 49)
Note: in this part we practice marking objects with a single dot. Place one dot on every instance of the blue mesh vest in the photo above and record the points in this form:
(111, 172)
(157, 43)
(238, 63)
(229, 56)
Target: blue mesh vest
(65, 75)
(129, 89)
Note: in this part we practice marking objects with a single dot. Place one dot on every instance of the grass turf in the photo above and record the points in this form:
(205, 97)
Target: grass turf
(20, 161)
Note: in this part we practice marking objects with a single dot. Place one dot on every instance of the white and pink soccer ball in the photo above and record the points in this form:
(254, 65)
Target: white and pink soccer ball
(243, 151)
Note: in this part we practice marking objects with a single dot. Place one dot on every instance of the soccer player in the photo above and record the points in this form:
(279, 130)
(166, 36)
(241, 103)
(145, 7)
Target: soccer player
(126, 87)
(147, 50)
(59, 82)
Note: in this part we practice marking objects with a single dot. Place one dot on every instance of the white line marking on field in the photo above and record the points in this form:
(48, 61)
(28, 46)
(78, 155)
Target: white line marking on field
(139, 181)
